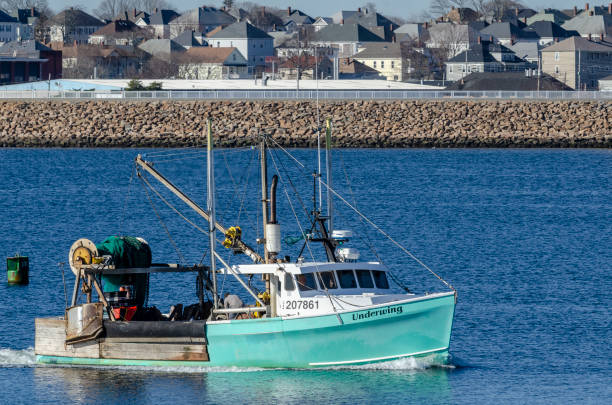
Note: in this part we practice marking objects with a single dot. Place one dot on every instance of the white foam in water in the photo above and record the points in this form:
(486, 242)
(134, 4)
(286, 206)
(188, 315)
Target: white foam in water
(407, 363)
(17, 358)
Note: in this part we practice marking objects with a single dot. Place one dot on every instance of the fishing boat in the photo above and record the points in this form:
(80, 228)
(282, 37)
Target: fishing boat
(322, 312)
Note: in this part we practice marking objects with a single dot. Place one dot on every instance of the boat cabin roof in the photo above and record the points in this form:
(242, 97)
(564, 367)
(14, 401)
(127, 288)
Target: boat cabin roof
(303, 268)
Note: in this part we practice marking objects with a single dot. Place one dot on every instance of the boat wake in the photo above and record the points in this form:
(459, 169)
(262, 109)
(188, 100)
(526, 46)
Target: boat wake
(17, 358)
(407, 363)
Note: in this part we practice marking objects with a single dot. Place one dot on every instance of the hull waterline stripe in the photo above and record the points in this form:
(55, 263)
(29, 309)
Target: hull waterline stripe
(339, 363)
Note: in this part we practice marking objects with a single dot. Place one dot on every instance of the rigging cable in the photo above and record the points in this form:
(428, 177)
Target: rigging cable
(385, 234)
(178, 251)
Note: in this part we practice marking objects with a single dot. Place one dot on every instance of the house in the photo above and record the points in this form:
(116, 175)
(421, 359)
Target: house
(321, 22)
(549, 14)
(386, 58)
(549, 32)
(28, 61)
(207, 63)
(121, 33)
(485, 56)
(133, 16)
(508, 81)
(505, 33)
(346, 39)
(578, 62)
(100, 61)
(528, 50)
(190, 39)
(351, 69)
(159, 22)
(203, 19)
(451, 38)
(28, 17)
(72, 25)
(461, 15)
(254, 44)
(410, 32)
(588, 24)
(296, 17)
(164, 49)
(375, 22)
(605, 84)
(306, 67)
(9, 28)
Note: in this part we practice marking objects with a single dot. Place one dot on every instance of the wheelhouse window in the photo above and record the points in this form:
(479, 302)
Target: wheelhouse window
(347, 279)
(306, 282)
(289, 284)
(328, 280)
(380, 278)
(365, 279)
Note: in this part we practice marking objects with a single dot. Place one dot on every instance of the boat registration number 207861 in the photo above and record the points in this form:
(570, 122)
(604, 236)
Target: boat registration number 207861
(300, 304)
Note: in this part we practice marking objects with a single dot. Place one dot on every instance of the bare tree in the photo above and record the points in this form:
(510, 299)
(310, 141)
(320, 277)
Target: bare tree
(370, 6)
(228, 4)
(442, 7)
(109, 9)
(14, 5)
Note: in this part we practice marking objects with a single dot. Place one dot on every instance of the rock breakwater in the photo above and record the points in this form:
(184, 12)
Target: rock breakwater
(370, 124)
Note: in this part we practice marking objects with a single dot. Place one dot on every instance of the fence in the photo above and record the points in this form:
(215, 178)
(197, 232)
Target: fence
(304, 95)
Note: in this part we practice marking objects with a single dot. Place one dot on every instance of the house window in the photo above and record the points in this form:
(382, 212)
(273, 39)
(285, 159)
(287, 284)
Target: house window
(450, 68)
(556, 55)
(374, 64)
(392, 64)
(261, 45)
(556, 69)
(382, 64)
(218, 44)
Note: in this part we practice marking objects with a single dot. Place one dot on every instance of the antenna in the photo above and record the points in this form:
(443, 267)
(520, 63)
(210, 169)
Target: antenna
(211, 209)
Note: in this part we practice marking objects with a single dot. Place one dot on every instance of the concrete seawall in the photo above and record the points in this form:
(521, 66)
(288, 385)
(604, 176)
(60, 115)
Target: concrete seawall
(356, 123)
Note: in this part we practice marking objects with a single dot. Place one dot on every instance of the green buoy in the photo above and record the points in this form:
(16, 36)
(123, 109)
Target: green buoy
(18, 269)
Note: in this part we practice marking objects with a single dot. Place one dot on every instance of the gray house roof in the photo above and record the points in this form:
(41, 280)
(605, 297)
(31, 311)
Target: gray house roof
(23, 47)
(240, 30)
(506, 30)
(346, 33)
(163, 17)
(548, 29)
(207, 16)
(507, 81)
(5, 18)
(297, 16)
(549, 14)
(414, 30)
(344, 15)
(75, 17)
(574, 44)
(525, 49)
(480, 53)
(587, 24)
(157, 47)
(188, 39)
(380, 50)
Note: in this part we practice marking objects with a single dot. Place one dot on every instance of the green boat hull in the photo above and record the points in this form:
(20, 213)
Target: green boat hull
(387, 332)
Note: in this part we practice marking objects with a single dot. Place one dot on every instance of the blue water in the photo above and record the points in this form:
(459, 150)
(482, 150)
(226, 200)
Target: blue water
(524, 236)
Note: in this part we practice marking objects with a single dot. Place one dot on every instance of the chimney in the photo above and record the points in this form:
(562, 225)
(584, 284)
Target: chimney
(525, 20)
(575, 11)
(589, 37)
(33, 9)
(359, 10)
(134, 13)
(491, 38)
(342, 22)
(516, 11)
(586, 6)
(610, 8)
(591, 13)
(479, 39)
(601, 37)
(288, 10)
(512, 41)
(426, 24)
(393, 39)
(156, 10)
(274, 27)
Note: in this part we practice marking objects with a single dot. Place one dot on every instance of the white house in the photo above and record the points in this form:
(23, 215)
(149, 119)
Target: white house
(10, 28)
(254, 44)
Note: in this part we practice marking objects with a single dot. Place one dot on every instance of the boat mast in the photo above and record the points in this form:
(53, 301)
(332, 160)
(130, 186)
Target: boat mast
(328, 161)
(211, 210)
(264, 196)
